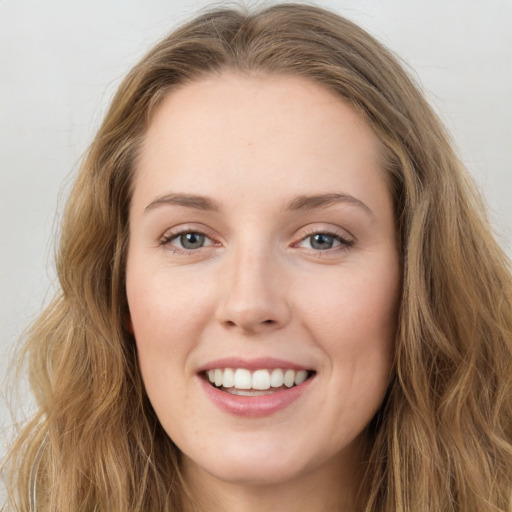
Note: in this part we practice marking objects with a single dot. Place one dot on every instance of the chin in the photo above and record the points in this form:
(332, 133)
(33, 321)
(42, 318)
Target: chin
(260, 461)
(250, 463)
(249, 474)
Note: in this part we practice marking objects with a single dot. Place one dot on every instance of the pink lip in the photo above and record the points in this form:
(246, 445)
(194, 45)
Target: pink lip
(253, 364)
(253, 406)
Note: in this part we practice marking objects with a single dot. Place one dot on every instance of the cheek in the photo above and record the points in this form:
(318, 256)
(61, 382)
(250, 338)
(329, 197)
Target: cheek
(354, 306)
(353, 317)
(165, 312)
(165, 334)
(168, 313)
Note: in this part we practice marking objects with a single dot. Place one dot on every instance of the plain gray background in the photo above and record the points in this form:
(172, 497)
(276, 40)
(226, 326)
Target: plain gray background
(61, 60)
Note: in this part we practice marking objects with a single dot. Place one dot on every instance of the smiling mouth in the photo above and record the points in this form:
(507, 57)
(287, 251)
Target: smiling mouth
(243, 382)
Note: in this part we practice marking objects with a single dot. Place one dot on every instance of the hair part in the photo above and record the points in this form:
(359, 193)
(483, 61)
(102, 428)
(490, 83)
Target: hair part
(442, 440)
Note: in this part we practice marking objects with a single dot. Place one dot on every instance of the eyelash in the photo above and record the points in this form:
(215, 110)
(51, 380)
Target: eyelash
(344, 243)
(167, 240)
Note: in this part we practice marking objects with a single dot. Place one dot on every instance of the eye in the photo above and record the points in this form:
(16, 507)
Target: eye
(186, 240)
(322, 241)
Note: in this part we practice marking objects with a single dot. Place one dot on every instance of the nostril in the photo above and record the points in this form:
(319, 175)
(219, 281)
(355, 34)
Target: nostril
(247, 326)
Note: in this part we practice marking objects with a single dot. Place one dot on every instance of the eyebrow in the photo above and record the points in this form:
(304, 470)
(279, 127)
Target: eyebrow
(303, 202)
(310, 202)
(187, 200)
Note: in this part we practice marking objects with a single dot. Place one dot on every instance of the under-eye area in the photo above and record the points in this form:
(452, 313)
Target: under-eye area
(244, 382)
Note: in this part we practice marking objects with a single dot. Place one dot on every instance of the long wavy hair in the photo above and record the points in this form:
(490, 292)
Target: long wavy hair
(442, 439)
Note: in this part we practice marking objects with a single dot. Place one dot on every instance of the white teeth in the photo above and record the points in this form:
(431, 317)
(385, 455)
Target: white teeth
(219, 376)
(300, 377)
(259, 380)
(229, 378)
(246, 392)
(243, 379)
(289, 378)
(277, 378)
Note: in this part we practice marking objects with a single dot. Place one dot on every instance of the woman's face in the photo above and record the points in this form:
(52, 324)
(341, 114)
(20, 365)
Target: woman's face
(262, 252)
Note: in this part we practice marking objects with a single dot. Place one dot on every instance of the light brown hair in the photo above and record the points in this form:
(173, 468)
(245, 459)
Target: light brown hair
(442, 439)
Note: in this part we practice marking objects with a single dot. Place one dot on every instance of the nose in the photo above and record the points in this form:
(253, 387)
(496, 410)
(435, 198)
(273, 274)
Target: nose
(254, 298)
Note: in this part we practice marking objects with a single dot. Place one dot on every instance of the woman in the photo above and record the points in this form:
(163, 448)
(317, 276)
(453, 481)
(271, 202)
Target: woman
(279, 290)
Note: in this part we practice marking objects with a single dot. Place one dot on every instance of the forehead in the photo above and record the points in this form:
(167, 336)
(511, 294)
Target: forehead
(256, 132)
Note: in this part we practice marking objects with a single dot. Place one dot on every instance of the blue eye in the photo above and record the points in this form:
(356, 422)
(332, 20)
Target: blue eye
(187, 240)
(191, 240)
(324, 242)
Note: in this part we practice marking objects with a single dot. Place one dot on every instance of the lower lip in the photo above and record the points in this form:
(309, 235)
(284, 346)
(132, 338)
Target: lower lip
(254, 406)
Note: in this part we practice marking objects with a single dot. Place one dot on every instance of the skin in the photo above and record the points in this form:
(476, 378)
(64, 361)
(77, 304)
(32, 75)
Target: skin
(259, 288)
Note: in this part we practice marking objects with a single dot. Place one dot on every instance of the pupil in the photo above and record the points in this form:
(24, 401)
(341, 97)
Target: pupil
(322, 241)
(192, 240)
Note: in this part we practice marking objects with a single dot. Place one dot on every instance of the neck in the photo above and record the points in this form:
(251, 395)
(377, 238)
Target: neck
(328, 489)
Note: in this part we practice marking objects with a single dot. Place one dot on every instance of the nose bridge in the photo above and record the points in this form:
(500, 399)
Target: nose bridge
(253, 296)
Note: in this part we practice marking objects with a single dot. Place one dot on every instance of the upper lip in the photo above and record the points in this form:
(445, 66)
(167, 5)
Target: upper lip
(252, 364)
